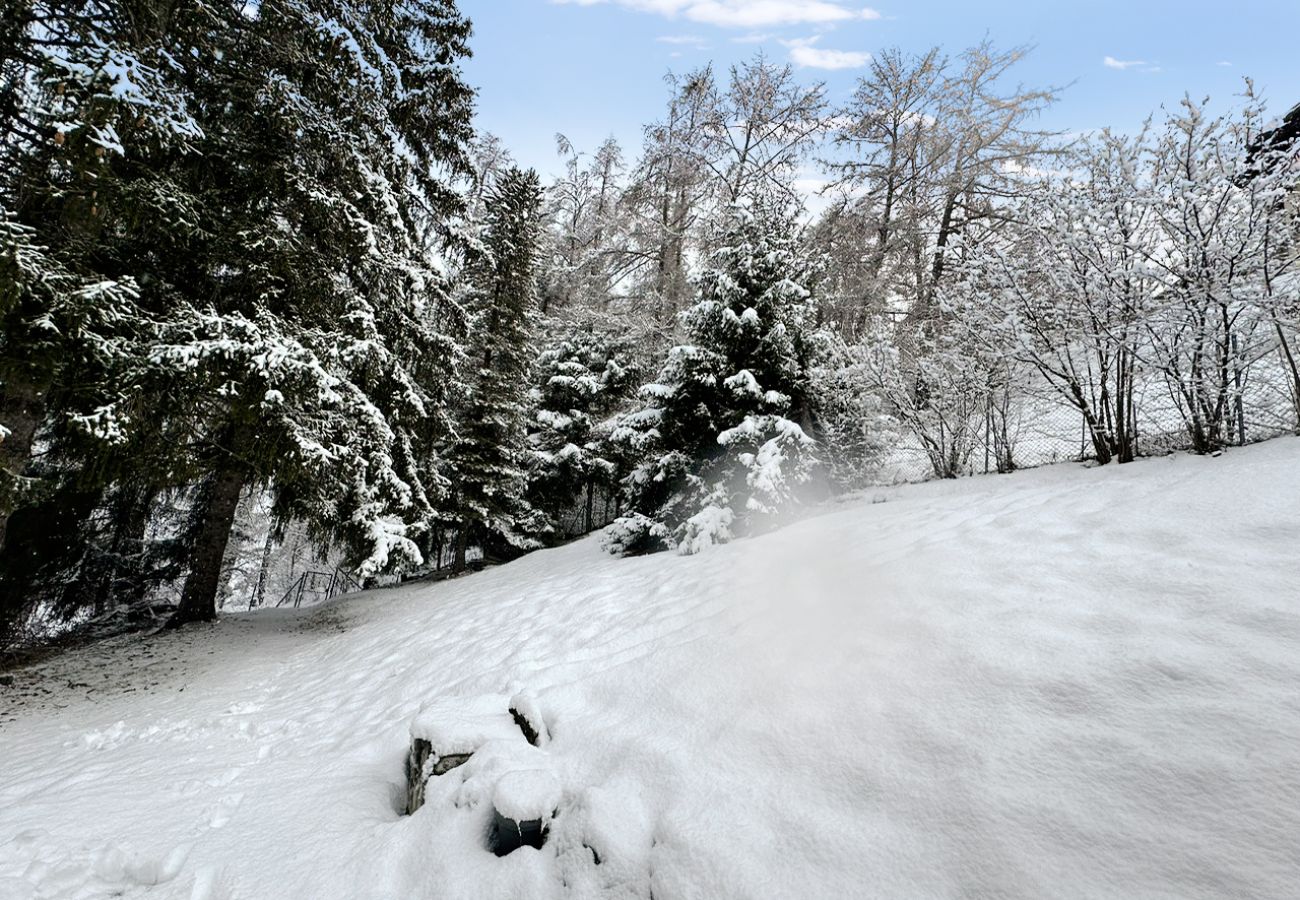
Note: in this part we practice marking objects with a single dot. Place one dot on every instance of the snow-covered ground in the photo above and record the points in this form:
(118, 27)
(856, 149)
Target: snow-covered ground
(1066, 682)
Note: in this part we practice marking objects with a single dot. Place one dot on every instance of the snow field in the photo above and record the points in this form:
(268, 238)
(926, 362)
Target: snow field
(1066, 682)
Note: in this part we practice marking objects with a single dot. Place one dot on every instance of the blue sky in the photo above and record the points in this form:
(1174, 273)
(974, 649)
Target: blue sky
(591, 68)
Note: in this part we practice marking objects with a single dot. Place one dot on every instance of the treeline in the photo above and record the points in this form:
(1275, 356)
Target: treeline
(262, 287)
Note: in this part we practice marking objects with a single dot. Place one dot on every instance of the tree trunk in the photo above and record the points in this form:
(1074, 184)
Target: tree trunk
(264, 570)
(589, 509)
(235, 546)
(462, 540)
(215, 509)
(22, 406)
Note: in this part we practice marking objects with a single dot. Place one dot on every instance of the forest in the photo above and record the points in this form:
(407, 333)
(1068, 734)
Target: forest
(270, 306)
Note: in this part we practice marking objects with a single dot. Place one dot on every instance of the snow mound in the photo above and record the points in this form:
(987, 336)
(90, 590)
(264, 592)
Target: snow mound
(527, 794)
(460, 725)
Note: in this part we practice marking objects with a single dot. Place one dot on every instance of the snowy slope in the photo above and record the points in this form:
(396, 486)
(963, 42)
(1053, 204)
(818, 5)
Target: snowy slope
(1063, 683)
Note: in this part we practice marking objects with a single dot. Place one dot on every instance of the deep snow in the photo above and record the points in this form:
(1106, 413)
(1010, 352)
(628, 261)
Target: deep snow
(1066, 682)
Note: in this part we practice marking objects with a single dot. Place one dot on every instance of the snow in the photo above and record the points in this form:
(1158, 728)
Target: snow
(707, 528)
(527, 794)
(1066, 682)
(744, 383)
(525, 705)
(457, 725)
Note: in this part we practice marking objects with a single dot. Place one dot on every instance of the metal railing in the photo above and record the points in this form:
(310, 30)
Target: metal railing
(320, 586)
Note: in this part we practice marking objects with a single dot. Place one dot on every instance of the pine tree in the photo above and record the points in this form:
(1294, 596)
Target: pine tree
(225, 265)
(723, 428)
(487, 464)
(323, 357)
(585, 374)
(90, 102)
(93, 105)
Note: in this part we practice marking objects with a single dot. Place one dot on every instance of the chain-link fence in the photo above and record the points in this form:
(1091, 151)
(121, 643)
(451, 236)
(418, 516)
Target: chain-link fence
(1034, 425)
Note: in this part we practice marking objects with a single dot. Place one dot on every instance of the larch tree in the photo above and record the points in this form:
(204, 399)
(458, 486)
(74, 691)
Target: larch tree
(586, 253)
(927, 148)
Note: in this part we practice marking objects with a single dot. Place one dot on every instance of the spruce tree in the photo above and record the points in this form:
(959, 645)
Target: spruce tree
(94, 105)
(488, 462)
(321, 349)
(221, 259)
(722, 430)
(583, 376)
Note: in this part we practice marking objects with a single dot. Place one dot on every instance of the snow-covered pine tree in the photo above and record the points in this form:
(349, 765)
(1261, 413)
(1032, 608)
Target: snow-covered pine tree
(316, 334)
(93, 104)
(583, 376)
(81, 83)
(487, 463)
(722, 429)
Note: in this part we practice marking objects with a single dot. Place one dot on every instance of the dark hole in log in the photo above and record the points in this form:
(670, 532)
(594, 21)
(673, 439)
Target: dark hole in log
(506, 835)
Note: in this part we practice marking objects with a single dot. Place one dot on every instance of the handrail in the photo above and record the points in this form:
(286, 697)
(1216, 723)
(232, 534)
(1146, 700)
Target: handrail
(339, 583)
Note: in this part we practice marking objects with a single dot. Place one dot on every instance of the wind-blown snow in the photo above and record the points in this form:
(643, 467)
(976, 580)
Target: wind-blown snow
(1061, 683)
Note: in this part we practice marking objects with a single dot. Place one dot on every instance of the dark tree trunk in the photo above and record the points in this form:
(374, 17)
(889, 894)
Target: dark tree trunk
(215, 514)
(1124, 421)
(264, 570)
(462, 540)
(22, 406)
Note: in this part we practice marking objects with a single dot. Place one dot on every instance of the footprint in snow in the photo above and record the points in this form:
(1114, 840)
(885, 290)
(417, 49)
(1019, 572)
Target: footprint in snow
(210, 884)
(224, 810)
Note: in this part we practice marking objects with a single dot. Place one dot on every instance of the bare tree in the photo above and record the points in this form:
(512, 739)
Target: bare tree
(927, 148)
(1066, 289)
(668, 196)
(1214, 233)
(762, 128)
(585, 242)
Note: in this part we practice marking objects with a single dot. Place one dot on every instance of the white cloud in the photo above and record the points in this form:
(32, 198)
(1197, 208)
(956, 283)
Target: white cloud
(1223, 62)
(1111, 62)
(803, 53)
(1140, 65)
(820, 58)
(746, 13)
(688, 40)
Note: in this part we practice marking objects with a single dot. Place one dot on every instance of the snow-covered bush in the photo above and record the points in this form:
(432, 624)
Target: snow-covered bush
(633, 534)
(776, 458)
(710, 526)
(938, 385)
